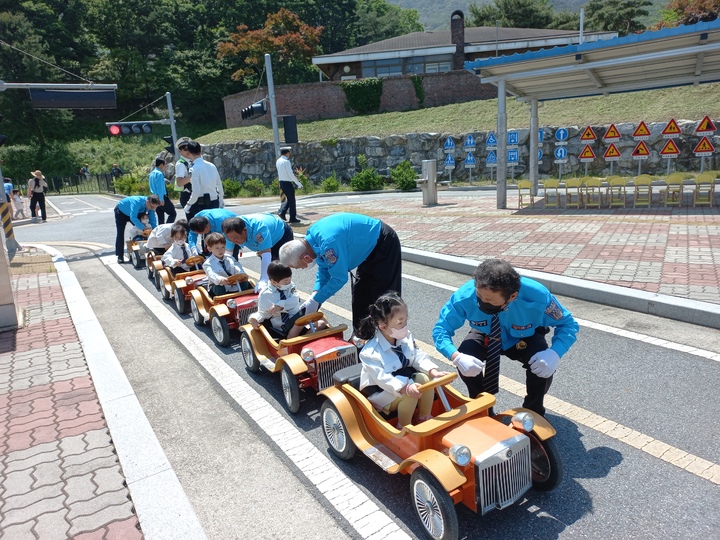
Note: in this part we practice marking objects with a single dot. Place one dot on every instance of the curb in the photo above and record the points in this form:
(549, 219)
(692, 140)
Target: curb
(162, 507)
(661, 305)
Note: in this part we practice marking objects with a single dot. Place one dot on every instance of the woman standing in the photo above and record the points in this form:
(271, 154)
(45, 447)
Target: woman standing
(36, 190)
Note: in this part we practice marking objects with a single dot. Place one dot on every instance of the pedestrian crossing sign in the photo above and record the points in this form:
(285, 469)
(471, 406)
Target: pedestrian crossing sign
(670, 149)
(704, 148)
(587, 154)
(469, 141)
(705, 127)
(641, 151)
(612, 134)
(642, 133)
(470, 161)
(588, 136)
(449, 162)
(612, 153)
(449, 146)
(672, 130)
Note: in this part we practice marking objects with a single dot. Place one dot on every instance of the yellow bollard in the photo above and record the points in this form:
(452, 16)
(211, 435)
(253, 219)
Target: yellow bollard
(12, 244)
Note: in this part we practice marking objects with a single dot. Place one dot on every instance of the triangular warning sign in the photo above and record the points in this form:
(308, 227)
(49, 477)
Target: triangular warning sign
(588, 135)
(641, 150)
(704, 147)
(672, 129)
(612, 133)
(642, 131)
(612, 152)
(670, 149)
(705, 126)
(587, 153)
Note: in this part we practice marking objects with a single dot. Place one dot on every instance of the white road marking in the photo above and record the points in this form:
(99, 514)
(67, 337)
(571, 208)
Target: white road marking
(89, 204)
(60, 212)
(357, 508)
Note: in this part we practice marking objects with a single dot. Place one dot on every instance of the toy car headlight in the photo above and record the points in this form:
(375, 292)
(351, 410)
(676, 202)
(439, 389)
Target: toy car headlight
(460, 454)
(308, 355)
(188, 280)
(523, 421)
(232, 304)
(358, 342)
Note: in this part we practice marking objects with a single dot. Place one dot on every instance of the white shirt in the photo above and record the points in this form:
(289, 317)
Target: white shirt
(137, 231)
(17, 199)
(205, 179)
(285, 171)
(160, 237)
(175, 254)
(270, 297)
(379, 361)
(216, 273)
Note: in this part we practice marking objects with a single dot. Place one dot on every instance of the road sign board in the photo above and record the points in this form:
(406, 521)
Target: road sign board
(491, 141)
(642, 133)
(587, 154)
(588, 135)
(704, 148)
(541, 136)
(491, 159)
(513, 157)
(540, 155)
(469, 142)
(612, 134)
(561, 136)
(513, 138)
(470, 162)
(561, 154)
(705, 127)
(612, 153)
(449, 146)
(672, 130)
(641, 151)
(449, 162)
(670, 150)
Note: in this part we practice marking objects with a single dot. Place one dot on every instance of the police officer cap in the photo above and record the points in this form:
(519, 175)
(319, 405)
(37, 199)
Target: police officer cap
(183, 141)
(285, 148)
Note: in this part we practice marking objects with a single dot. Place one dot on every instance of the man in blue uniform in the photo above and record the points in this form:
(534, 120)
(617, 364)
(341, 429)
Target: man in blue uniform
(341, 243)
(158, 187)
(205, 222)
(127, 210)
(262, 233)
(508, 315)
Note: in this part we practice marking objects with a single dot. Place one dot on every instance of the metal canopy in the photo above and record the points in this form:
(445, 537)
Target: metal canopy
(669, 57)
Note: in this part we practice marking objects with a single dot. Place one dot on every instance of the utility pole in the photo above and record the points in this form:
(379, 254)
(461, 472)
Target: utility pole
(273, 109)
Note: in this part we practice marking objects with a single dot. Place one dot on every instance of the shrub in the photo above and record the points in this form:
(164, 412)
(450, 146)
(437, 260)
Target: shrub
(275, 188)
(417, 81)
(330, 184)
(254, 187)
(363, 96)
(404, 176)
(367, 180)
(232, 188)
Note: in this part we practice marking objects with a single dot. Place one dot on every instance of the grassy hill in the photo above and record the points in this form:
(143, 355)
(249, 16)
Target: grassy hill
(689, 102)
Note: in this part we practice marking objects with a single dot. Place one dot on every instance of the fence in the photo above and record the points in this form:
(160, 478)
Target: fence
(79, 183)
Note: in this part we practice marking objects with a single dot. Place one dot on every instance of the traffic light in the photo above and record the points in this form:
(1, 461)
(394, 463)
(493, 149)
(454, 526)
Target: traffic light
(171, 144)
(129, 128)
(256, 109)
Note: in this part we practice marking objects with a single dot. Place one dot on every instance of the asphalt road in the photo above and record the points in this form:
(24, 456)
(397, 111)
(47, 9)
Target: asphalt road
(242, 485)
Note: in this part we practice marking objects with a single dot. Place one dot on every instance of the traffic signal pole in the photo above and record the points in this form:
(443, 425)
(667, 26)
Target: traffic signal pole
(273, 110)
(172, 120)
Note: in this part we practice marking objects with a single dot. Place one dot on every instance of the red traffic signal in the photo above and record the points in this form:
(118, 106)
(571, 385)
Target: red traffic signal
(129, 128)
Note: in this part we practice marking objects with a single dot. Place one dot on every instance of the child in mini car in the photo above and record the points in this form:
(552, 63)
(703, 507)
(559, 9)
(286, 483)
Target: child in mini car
(136, 233)
(179, 251)
(219, 266)
(160, 238)
(280, 303)
(392, 366)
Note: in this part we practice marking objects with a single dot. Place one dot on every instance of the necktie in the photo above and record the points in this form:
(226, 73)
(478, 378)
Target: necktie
(283, 316)
(202, 243)
(185, 253)
(222, 263)
(492, 357)
(398, 350)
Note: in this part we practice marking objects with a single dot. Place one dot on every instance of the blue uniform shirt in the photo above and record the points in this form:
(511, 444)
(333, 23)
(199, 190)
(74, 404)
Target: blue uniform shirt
(132, 206)
(341, 242)
(215, 216)
(263, 231)
(156, 180)
(534, 306)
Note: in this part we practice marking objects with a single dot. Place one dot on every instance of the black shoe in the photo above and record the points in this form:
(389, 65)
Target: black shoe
(121, 260)
(294, 221)
(282, 216)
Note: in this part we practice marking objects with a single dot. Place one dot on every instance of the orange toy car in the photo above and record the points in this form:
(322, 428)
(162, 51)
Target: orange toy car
(461, 455)
(136, 248)
(180, 285)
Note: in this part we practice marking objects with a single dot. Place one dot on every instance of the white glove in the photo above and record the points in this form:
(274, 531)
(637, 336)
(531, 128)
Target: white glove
(261, 286)
(187, 208)
(310, 305)
(468, 365)
(222, 203)
(299, 185)
(544, 363)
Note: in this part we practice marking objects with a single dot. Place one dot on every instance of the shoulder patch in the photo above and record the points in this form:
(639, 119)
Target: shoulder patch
(259, 238)
(331, 256)
(478, 323)
(518, 327)
(554, 311)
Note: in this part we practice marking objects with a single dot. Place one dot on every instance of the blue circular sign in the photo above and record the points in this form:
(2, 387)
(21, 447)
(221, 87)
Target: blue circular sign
(561, 135)
(540, 154)
(561, 152)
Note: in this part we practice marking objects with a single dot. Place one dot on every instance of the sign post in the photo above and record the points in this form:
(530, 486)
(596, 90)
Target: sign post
(704, 148)
(470, 146)
(670, 151)
(640, 153)
(612, 154)
(561, 154)
(491, 147)
(513, 157)
(449, 165)
(470, 163)
(587, 156)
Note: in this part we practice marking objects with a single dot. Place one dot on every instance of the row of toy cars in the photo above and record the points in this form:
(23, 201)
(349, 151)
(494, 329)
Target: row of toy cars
(463, 454)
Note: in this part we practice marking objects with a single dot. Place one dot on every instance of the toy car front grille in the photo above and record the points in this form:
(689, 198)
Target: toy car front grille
(333, 360)
(503, 477)
(244, 310)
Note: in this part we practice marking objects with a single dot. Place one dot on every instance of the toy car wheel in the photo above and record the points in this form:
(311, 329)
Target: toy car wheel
(180, 303)
(251, 361)
(290, 388)
(135, 257)
(546, 464)
(158, 281)
(220, 330)
(336, 433)
(164, 290)
(197, 317)
(149, 270)
(433, 506)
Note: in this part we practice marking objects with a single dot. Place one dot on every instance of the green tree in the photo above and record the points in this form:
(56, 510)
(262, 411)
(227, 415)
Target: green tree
(512, 14)
(378, 20)
(565, 20)
(619, 16)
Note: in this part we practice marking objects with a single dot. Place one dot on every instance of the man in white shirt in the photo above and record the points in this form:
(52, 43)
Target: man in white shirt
(288, 181)
(207, 189)
(182, 172)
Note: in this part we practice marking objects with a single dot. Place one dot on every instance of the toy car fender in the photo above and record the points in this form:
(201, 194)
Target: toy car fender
(362, 439)
(221, 310)
(294, 362)
(543, 430)
(439, 465)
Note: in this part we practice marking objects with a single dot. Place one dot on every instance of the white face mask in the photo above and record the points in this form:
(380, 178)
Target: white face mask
(398, 333)
(285, 288)
(179, 243)
(145, 221)
(310, 265)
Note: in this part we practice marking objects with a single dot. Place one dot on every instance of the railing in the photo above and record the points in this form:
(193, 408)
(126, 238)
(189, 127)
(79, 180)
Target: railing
(80, 183)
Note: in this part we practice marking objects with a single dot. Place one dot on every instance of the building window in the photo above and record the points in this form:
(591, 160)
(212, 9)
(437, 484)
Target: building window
(408, 66)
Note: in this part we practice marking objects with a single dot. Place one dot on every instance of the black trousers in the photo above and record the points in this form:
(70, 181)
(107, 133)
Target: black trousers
(121, 220)
(203, 203)
(38, 198)
(275, 249)
(536, 387)
(379, 273)
(288, 188)
(166, 208)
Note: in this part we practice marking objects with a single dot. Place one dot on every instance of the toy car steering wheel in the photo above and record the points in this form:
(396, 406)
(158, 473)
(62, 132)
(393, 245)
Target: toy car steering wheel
(146, 232)
(310, 318)
(196, 259)
(237, 278)
(441, 381)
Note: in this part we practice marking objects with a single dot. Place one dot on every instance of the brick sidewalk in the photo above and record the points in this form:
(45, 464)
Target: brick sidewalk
(59, 473)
